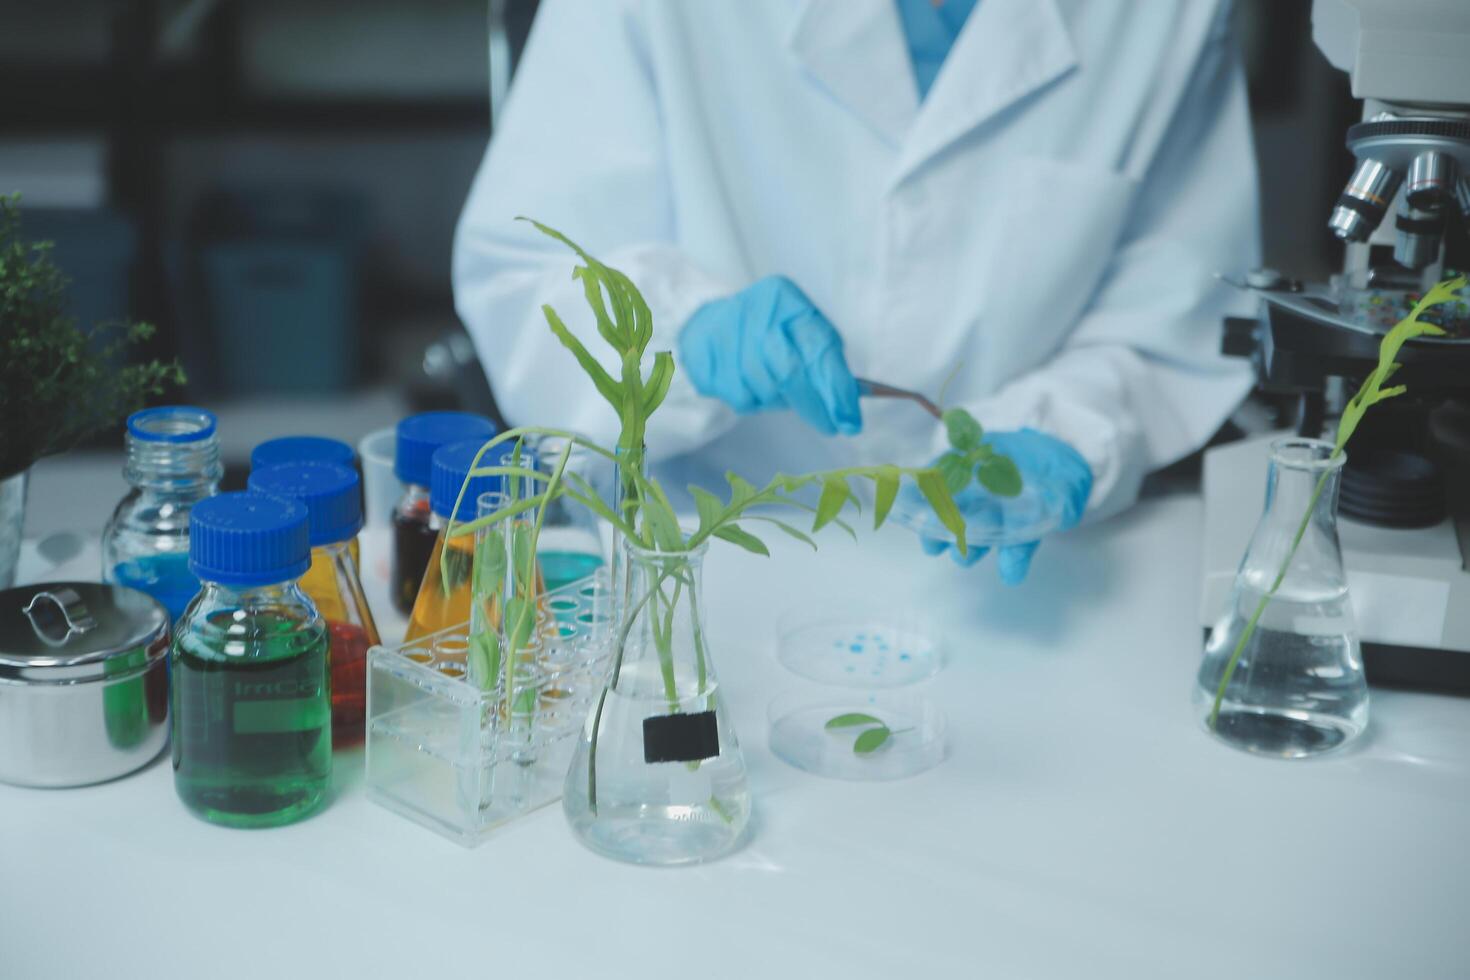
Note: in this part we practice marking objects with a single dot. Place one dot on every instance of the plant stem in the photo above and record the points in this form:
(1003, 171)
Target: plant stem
(1250, 626)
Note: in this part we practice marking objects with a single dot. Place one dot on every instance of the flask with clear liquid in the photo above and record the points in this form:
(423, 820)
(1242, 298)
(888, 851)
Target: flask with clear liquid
(1297, 688)
(657, 776)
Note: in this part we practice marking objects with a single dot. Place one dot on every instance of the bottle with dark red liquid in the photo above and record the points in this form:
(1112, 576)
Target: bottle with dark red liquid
(418, 436)
(333, 502)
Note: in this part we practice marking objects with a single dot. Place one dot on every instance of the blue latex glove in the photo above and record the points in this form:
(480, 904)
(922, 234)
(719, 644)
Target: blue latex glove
(768, 347)
(1056, 470)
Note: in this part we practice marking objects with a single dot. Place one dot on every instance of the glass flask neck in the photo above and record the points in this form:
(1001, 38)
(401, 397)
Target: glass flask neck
(1304, 475)
(180, 468)
(1295, 544)
(663, 651)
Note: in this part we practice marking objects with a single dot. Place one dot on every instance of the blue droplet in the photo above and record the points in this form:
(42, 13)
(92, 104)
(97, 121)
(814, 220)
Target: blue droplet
(856, 648)
(862, 636)
(904, 656)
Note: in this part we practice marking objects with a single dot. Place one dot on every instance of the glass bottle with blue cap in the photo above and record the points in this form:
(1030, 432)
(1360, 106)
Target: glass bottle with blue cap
(302, 449)
(418, 437)
(444, 597)
(252, 718)
(306, 449)
(173, 463)
(333, 500)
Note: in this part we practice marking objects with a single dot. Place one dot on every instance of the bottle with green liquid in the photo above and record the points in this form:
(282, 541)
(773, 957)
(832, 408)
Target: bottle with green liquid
(252, 710)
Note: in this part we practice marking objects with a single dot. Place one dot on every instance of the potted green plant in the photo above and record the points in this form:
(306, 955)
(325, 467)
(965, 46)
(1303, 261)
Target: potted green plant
(59, 382)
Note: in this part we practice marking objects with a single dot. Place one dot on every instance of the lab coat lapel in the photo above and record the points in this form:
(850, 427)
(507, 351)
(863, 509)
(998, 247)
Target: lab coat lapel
(1007, 50)
(854, 49)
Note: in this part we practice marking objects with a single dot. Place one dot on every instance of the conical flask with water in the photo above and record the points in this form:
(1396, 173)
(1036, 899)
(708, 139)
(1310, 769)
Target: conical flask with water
(657, 776)
(1296, 687)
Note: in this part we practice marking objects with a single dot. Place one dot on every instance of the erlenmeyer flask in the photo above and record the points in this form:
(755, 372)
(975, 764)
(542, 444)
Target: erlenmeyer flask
(1298, 688)
(657, 777)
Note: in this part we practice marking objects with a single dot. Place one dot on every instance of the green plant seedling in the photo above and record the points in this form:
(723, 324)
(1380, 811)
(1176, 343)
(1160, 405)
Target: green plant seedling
(1371, 393)
(874, 736)
(645, 515)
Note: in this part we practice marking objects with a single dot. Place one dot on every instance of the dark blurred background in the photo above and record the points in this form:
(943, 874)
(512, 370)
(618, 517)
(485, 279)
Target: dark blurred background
(275, 183)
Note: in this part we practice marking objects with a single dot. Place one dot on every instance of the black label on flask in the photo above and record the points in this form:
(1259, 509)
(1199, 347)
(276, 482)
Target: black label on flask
(681, 738)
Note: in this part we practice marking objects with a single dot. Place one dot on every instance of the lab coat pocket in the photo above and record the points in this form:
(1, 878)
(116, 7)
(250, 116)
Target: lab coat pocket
(1057, 227)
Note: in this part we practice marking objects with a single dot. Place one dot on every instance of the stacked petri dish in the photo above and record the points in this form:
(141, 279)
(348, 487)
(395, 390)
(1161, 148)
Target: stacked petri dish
(858, 710)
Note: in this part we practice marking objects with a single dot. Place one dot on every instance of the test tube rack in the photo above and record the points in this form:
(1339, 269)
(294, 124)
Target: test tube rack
(462, 760)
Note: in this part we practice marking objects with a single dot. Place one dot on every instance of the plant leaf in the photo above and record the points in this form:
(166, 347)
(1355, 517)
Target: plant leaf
(963, 431)
(999, 475)
(592, 289)
(524, 702)
(957, 469)
(741, 489)
(885, 490)
(484, 658)
(606, 386)
(798, 535)
(931, 485)
(872, 740)
(711, 508)
(835, 493)
(850, 719)
(659, 514)
(736, 535)
(520, 619)
(659, 379)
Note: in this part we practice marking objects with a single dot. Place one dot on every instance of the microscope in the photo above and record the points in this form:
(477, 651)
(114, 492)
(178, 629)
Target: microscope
(1404, 507)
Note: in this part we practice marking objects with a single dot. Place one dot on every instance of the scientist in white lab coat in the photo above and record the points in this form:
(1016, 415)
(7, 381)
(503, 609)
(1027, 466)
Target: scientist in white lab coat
(1033, 192)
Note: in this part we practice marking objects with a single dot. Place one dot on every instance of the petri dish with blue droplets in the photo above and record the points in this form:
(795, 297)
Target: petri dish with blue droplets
(858, 644)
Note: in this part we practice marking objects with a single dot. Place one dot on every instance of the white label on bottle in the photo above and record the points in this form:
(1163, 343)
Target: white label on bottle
(1397, 609)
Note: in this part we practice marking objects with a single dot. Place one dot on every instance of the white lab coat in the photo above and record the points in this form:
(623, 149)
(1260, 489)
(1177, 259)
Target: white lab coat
(1049, 219)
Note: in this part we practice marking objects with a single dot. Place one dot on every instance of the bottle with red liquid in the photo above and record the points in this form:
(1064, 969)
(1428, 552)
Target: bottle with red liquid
(418, 437)
(334, 507)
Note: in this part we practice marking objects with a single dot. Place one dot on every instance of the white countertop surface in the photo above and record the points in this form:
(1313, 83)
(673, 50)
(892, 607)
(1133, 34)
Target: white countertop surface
(1081, 825)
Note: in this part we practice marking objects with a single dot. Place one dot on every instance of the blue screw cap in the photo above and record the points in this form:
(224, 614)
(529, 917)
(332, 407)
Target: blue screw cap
(248, 539)
(330, 493)
(419, 435)
(452, 464)
(172, 423)
(301, 449)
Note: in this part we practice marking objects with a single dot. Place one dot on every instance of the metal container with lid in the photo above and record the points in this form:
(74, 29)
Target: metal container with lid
(83, 683)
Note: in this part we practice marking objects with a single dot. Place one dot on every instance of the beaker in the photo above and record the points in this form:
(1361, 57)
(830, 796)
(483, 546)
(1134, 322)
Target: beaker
(658, 776)
(1297, 687)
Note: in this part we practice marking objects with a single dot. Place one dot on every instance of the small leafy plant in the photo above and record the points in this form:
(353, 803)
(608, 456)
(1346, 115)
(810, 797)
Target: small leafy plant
(59, 383)
(1372, 392)
(971, 458)
(874, 735)
(642, 512)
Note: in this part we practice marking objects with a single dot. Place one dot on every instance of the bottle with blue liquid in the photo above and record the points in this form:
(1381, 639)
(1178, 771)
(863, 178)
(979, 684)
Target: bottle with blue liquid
(173, 463)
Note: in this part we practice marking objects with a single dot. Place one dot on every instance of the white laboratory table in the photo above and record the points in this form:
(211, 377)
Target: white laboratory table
(1082, 825)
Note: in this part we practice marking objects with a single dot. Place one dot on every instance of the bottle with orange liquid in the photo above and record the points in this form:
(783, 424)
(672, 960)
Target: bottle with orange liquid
(333, 503)
(445, 596)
